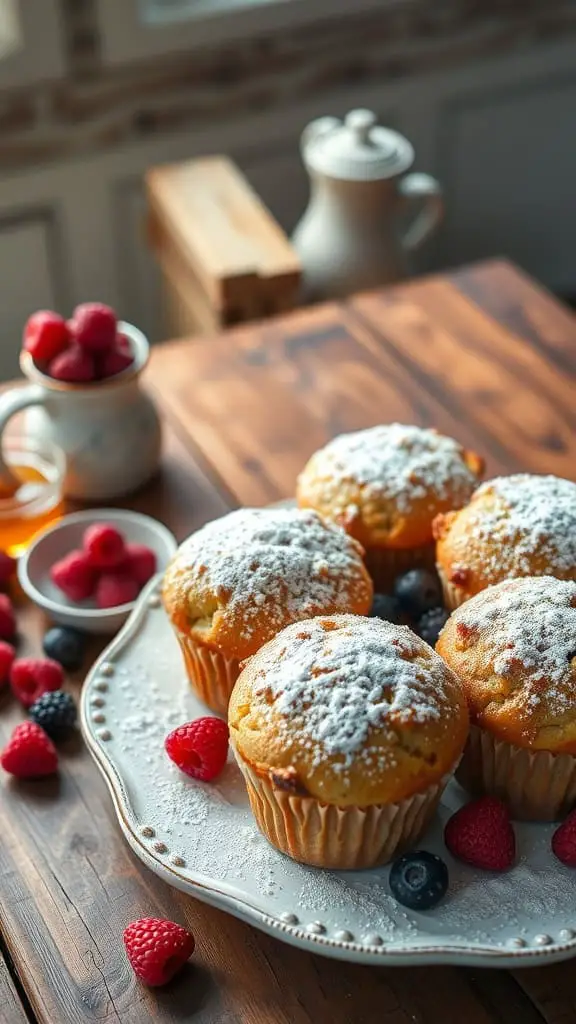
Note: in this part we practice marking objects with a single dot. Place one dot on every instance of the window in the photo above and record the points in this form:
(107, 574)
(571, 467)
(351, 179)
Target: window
(30, 42)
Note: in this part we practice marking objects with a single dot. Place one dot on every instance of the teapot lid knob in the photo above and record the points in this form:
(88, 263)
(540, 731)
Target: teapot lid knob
(360, 122)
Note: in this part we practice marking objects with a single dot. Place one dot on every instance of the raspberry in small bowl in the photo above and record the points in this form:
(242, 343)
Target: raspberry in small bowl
(89, 569)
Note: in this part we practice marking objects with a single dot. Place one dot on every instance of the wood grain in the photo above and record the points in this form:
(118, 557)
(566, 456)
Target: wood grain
(11, 1008)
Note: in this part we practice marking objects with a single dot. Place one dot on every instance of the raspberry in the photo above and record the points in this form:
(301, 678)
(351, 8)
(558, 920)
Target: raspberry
(7, 568)
(31, 677)
(564, 841)
(199, 748)
(115, 588)
(481, 834)
(29, 753)
(157, 949)
(104, 546)
(114, 361)
(7, 655)
(46, 335)
(7, 618)
(54, 712)
(141, 562)
(75, 366)
(94, 326)
(74, 576)
(124, 345)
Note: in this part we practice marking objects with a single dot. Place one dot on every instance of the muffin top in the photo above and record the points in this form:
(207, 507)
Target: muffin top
(350, 710)
(385, 485)
(520, 525)
(514, 648)
(238, 580)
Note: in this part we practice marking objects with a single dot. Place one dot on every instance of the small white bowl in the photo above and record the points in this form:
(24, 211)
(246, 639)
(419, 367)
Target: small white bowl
(57, 541)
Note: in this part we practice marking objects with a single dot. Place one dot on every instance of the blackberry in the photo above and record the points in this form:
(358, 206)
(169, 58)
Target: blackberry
(55, 712)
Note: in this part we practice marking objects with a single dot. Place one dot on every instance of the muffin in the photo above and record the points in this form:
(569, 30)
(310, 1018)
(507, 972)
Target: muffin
(385, 486)
(239, 580)
(346, 730)
(513, 647)
(520, 525)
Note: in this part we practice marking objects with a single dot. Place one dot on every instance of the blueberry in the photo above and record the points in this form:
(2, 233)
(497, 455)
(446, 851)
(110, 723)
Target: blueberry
(430, 624)
(386, 607)
(418, 591)
(65, 645)
(55, 712)
(418, 880)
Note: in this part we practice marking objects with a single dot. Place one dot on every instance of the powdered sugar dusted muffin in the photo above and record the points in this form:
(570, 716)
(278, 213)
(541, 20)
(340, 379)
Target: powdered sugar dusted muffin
(514, 648)
(521, 525)
(240, 579)
(346, 729)
(385, 486)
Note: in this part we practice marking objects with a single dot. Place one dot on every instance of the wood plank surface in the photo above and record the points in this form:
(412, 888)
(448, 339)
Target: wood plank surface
(11, 1008)
(243, 412)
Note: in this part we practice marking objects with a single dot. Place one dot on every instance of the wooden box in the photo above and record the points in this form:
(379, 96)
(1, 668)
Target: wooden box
(223, 257)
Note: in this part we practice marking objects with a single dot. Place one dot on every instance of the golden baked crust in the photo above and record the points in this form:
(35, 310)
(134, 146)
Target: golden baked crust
(385, 485)
(233, 584)
(350, 710)
(521, 525)
(514, 648)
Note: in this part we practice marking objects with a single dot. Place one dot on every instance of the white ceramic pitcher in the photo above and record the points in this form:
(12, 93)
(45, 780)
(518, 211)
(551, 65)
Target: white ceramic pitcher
(365, 214)
(109, 431)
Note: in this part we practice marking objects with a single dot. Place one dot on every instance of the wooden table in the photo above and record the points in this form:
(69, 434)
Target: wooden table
(483, 354)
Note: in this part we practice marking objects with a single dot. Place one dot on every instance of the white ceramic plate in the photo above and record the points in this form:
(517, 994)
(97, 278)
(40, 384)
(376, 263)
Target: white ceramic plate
(202, 839)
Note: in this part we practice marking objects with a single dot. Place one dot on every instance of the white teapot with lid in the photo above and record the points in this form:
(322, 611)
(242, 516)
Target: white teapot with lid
(365, 214)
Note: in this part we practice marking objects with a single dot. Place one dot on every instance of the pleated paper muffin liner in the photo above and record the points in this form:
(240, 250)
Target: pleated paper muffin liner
(453, 596)
(211, 675)
(535, 784)
(343, 838)
(385, 564)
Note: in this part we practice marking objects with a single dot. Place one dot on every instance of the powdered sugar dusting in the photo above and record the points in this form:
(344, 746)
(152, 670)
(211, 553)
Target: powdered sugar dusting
(402, 463)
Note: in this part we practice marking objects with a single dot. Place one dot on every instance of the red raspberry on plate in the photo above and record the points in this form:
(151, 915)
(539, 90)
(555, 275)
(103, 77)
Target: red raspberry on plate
(141, 562)
(157, 949)
(29, 753)
(7, 568)
(564, 841)
(94, 326)
(46, 335)
(7, 655)
(74, 366)
(115, 588)
(104, 546)
(199, 748)
(7, 618)
(31, 677)
(481, 834)
(74, 576)
(114, 361)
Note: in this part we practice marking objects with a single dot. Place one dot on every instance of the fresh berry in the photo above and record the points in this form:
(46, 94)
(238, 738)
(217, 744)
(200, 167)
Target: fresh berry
(29, 753)
(114, 589)
(157, 949)
(74, 576)
(7, 618)
(31, 677)
(431, 623)
(199, 748)
(386, 607)
(46, 335)
(418, 591)
(7, 655)
(65, 645)
(124, 345)
(94, 326)
(54, 712)
(564, 841)
(7, 568)
(114, 361)
(142, 562)
(418, 880)
(74, 366)
(481, 834)
(104, 546)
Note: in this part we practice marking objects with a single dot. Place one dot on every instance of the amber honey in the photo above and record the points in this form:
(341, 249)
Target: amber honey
(38, 500)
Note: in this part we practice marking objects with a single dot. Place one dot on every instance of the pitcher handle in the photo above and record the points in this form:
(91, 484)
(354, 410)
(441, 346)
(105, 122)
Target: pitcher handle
(424, 191)
(12, 402)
